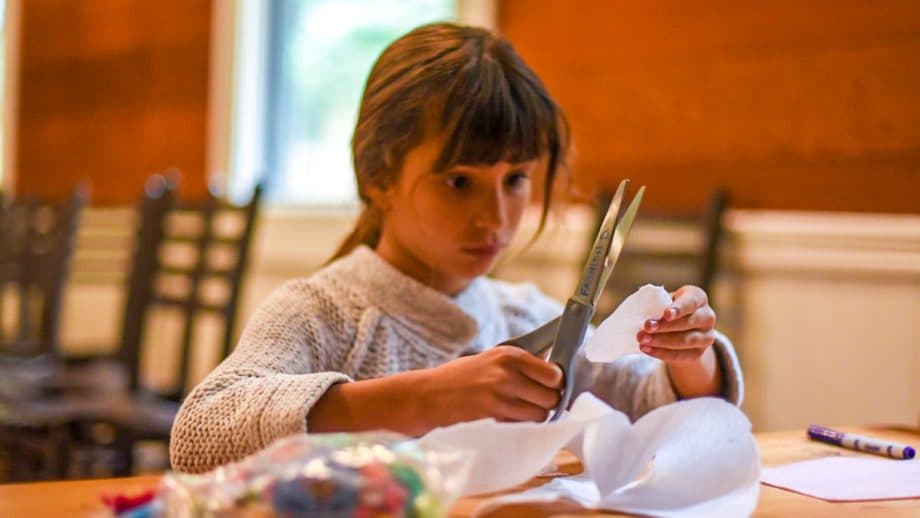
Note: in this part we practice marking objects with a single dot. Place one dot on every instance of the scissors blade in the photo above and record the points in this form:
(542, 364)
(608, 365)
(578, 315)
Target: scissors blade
(619, 239)
(587, 290)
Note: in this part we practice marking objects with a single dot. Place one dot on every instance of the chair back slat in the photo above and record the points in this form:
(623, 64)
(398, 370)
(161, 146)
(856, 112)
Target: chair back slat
(206, 215)
(153, 209)
(714, 231)
(36, 248)
(105, 245)
(238, 269)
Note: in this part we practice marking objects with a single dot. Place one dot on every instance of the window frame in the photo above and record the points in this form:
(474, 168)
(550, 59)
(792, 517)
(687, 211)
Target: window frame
(9, 85)
(239, 109)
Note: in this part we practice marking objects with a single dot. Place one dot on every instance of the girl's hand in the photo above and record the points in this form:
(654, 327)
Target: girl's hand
(682, 337)
(684, 332)
(505, 382)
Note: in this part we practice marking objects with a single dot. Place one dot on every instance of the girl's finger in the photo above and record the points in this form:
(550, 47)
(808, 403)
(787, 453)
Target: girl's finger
(681, 340)
(536, 394)
(676, 355)
(686, 301)
(703, 318)
(511, 410)
(545, 373)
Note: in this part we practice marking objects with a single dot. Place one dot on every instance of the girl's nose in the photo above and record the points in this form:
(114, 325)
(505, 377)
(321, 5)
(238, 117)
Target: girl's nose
(491, 214)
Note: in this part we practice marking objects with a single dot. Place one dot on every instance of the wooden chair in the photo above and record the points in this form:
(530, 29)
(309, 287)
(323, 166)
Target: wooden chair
(36, 246)
(667, 249)
(203, 255)
(74, 391)
(188, 266)
(104, 402)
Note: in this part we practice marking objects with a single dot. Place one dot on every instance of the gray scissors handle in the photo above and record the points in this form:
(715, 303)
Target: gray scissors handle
(538, 341)
(574, 324)
(564, 342)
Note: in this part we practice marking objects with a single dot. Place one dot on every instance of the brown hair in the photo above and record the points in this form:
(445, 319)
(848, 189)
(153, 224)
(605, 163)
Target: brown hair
(465, 84)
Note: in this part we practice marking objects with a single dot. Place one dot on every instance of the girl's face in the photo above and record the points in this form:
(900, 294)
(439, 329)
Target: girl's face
(445, 229)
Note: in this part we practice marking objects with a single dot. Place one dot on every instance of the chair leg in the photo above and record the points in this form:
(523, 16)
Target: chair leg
(59, 456)
(124, 448)
(29, 455)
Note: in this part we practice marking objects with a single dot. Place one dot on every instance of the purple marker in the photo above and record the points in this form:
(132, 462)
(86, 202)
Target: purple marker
(858, 442)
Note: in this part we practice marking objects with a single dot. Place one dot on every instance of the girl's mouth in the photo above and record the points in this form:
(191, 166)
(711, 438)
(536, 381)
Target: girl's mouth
(482, 251)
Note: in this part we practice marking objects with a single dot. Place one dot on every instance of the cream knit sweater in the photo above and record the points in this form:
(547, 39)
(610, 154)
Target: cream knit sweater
(360, 318)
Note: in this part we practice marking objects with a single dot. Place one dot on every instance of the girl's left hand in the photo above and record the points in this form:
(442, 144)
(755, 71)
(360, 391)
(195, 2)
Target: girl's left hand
(684, 332)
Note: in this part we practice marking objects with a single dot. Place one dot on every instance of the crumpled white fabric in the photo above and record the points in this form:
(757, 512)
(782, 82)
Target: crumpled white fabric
(691, 458)
(616, 336)
(508, 454)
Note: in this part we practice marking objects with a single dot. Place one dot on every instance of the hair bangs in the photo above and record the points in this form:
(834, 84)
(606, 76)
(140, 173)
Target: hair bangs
(492, 113)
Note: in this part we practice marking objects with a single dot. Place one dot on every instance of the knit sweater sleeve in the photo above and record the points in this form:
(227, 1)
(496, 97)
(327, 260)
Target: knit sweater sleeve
(265, 388)
(637, 384)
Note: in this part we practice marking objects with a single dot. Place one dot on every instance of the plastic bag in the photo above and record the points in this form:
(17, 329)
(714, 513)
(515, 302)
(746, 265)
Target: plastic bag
(335, 475)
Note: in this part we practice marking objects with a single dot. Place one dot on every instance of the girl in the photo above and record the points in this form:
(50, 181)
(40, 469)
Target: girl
(402, 330)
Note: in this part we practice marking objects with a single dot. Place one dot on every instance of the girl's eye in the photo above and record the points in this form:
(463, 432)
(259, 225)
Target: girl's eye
(458, 181)
(517, 180)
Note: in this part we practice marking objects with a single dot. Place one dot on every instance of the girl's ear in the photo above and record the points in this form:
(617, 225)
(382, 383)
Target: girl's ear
(380, 198)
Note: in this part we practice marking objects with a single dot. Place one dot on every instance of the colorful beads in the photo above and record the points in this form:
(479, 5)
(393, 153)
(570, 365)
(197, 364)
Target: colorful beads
(122, 503)
(333, 476)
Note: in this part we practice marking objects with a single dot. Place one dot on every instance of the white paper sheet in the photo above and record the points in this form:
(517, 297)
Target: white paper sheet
(704, 462)
(509, 454)
(687, 459)
(848, 479)
(616, 336)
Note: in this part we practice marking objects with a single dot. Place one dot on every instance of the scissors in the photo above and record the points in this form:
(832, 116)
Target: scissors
(565, 333)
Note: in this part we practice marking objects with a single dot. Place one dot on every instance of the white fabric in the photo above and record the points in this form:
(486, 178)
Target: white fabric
(694, 458)
(616, 336)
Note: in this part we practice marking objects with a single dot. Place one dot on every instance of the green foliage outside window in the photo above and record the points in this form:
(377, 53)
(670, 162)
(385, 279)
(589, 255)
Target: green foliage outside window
(327, 48)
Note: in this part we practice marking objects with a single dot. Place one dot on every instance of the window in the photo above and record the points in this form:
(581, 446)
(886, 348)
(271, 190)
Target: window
(319, 53)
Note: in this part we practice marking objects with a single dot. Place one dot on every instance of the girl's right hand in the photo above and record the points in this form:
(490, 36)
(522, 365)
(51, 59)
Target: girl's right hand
(506, 383)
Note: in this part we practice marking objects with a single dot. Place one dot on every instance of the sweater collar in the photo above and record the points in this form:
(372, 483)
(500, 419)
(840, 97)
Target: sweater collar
(448, 324)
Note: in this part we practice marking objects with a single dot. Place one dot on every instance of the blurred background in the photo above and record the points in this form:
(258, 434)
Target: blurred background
(779, 142)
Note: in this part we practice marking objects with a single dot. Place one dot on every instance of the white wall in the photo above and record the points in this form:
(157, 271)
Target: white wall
(830, 317)
(823, 308)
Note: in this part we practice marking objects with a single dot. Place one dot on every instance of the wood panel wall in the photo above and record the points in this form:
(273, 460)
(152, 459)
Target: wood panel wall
(791, 104)
(112, 91)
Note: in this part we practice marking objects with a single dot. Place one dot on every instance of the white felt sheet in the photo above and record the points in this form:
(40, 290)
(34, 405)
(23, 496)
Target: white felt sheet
(691, 458)
(616, 336)
(848, 479)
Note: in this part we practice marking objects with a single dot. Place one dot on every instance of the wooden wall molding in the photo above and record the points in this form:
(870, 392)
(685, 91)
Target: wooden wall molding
(824, 245)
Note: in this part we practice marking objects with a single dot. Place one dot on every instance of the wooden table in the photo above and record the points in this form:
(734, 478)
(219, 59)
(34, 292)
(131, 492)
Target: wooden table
(81, 498)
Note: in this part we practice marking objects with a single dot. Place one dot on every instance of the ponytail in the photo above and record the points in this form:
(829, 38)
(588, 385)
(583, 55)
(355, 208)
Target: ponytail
(366, 232)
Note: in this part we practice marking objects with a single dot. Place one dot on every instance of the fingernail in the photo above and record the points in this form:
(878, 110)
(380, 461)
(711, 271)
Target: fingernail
(672, 312)
(651, 324)
(644, 338)
(646, 349)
